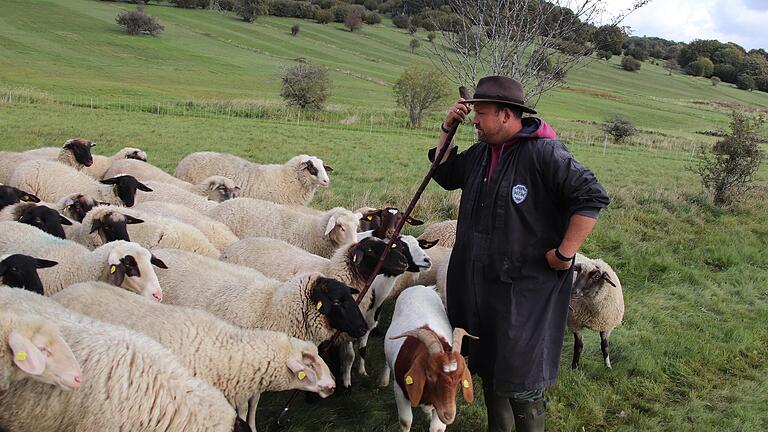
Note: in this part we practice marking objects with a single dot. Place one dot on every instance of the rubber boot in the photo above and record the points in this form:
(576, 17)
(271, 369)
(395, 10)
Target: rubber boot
(501, 418)
(529, 415)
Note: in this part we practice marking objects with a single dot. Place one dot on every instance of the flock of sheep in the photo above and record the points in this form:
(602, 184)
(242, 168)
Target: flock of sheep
(157, 302)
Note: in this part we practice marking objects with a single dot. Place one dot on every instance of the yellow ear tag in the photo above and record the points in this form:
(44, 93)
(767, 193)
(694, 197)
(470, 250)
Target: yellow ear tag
(409, 380)
(354, 258)
(319, 305)
(25, 198)
(370, 217)
(394, 245)
(112, 269)
(301, 375)
(21, 356)
(465, 384)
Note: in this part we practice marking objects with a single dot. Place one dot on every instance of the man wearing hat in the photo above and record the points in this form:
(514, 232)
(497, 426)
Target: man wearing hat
(526, 207)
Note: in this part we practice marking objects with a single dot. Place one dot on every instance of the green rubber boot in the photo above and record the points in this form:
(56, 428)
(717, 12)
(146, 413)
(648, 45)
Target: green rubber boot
(529, 415)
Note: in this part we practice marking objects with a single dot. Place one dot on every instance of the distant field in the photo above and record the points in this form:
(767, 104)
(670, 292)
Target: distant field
(692, 354)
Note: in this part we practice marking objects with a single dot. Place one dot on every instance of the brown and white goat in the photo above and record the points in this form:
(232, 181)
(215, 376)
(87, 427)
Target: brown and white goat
(428, 368)
(382, 221)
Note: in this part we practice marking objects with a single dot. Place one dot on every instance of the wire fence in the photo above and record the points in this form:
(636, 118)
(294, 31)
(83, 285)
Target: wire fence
(352, 119)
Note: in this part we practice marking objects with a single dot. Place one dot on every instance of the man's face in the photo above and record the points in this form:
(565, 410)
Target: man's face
(488, 123)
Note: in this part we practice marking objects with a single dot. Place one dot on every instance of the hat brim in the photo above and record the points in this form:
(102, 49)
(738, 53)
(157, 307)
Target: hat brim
(516, 105)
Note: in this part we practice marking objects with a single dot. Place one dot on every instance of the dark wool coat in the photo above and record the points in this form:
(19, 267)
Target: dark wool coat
(499, 286)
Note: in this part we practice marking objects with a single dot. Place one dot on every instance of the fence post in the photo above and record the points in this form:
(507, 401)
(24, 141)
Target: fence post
(605, 144)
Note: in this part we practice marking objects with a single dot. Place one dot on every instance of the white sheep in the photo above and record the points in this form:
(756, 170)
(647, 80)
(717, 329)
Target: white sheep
(217, 233)
(38, 215)
(168, 193)
(107, 223)
(443, 232)
(597, 303)
(320, 235)
(292, 183)
(129, 382)
(121, 263)
(32, 347)
(215, 188)
(75, 153)
(307, 307)
(240, 363)
(51, 181)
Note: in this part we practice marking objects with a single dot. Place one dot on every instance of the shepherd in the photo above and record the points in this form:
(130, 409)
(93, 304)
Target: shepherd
(526, 208)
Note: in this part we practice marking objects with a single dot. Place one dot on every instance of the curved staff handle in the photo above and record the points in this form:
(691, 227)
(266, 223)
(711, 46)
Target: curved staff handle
(440, 154)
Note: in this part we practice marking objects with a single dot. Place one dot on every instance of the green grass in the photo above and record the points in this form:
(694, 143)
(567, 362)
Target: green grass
(692, 354)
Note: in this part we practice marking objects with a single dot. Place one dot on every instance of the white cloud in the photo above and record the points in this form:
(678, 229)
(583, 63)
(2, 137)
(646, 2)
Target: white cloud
(740, 21)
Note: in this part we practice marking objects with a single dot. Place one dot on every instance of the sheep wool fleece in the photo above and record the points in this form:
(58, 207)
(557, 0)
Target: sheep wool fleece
(499, 285)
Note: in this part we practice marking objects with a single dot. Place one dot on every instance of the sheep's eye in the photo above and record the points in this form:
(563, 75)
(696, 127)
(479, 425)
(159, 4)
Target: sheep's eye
(13, 269)
(336, 302)
(341, 227)
(45, 351)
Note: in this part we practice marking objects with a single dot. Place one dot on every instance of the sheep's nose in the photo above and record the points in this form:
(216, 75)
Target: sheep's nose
(158, 296)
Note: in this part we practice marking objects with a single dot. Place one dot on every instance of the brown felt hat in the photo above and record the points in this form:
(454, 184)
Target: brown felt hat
(500, 89)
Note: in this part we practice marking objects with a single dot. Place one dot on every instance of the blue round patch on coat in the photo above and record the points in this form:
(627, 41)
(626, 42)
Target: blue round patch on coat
(519, 192)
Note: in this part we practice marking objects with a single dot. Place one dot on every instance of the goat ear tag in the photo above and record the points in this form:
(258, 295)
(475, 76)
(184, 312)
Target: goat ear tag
(409, 380)
(394, 245)
(112, 269)
(465, 384)
(354, 258)
(319, 305)
(25, 198)
(21, 356)
(301, 375)
(370, 217)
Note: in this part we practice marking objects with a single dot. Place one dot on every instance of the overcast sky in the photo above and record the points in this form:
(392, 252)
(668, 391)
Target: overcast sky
(742, 21)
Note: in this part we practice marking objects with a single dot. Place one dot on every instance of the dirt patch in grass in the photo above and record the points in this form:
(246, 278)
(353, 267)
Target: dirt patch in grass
(594, 92)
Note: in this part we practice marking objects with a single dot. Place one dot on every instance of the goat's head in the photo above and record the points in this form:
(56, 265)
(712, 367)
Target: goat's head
(383, 221)
(434, 376)
(367, 252)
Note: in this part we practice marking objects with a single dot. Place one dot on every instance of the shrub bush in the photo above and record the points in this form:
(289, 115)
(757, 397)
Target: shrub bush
(137, 22)
(620, 127)
(372, 18)
(419, 89)
(250, 9)
(715, 80)
(702, 67)
(415, 44)
(354, 19)
(191, 3)
(295, 29)
(292, 9)
(637, 53)
(306, 85)
(431, 36)
(629, 63)
(726, 73)
(746, 82)
(604, 55)
(324, 16)
(401, 21)
(340, 12)
(727, 169)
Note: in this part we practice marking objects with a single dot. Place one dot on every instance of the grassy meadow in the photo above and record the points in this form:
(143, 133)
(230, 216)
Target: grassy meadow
(692, 354)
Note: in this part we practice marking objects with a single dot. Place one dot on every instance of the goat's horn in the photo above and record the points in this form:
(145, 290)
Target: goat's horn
(458, 335)
(426, 337)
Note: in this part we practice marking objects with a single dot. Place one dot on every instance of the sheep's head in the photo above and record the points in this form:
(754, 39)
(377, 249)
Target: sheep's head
(44, 218)
(313, 171)
(40, 353)
(125, 187)
(11, 195)
(367, 252)
(590, 277)
(307, 370)
(112, 225)
(333, 300)
(383, 221)
(81, 149)
(134, 153)
(77, 206)
(20, 271)
(130, 267)
(435, 375)
(221, 188)
(341, 226)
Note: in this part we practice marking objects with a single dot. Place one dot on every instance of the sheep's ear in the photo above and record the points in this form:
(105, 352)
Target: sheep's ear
(42, 263)
(607, 278)
(26, 356)
(331, 225)
(132, 220)
(328, 168)
(428, 244)
(157, 262)
(467, 389)
(65, 221)
(113, 180)
(414, 221)
(414, 381)
(142, 187)
(95, 226)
